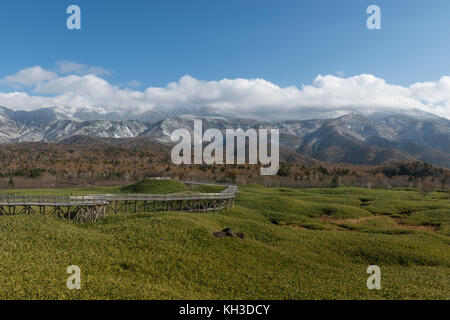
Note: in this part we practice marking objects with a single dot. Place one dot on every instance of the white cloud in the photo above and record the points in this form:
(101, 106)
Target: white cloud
(30, 76)
(433, 92)
(66, 67)
(240, 97)
(134, 84)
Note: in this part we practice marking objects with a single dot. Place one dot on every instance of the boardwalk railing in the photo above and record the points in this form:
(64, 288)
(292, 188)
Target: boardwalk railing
(29, 200)
(167, 197)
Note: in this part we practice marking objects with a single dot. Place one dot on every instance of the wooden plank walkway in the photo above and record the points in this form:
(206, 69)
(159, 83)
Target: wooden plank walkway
(93, 207)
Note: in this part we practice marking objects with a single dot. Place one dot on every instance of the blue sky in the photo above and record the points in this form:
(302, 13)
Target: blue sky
(285, 42)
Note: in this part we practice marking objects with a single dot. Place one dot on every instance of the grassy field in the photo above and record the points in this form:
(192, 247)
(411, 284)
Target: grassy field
(299, 244)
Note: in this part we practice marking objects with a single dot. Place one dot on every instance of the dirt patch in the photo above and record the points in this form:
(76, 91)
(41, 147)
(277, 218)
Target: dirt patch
(400, 225)
(293, 226)
(341, 221)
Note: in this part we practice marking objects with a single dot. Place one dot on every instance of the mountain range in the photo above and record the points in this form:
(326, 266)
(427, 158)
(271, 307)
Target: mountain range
(350, 138)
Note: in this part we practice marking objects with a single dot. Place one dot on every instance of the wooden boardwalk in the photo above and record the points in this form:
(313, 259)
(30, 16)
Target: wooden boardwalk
(72, 208)
(93, 207)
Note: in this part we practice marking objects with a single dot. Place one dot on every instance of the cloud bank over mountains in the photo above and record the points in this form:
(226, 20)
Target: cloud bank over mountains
(74, 85)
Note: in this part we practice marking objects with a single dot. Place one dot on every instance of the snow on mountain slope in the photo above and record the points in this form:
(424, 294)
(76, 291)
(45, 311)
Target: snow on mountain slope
(351, 137)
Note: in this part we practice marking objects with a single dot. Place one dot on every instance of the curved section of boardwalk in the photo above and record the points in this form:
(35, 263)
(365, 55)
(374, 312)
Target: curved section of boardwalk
(196, 202)
(93, 207)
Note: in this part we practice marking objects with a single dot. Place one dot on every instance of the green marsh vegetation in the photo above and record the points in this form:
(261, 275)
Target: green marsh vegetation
(299, 244)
